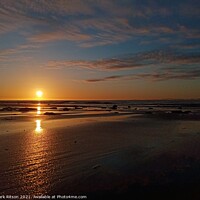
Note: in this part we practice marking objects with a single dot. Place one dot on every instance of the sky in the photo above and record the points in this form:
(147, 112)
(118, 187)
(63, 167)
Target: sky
(100, 49)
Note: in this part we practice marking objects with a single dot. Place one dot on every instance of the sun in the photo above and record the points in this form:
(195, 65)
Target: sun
(39, 93)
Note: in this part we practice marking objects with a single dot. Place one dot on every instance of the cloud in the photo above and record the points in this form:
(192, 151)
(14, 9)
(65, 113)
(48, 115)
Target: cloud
(103, 64)
(91, 32)
(21, 53)
(59, 35)
(92, 23)
(155, 66)
(156, 59)
(19, 49)
(108, 78)
(154, 76)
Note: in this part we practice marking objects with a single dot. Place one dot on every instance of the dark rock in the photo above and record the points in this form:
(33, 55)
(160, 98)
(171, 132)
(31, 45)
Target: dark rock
(176, 111)
(26, 109)
(103, 107)
(49, 113)
(53, 108)
(187, 112)
(65, 109)
(114, 107)
(148, 112)
(95, 166)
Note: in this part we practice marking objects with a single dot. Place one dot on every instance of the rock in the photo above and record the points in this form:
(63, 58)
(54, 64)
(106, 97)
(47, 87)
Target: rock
(65, 109)
(49, 113)
(114, 107)
(176, 111)
(187, 112)
(53, 108)
(148, 112)
(8, 109)
(26, 109)
(95, 166)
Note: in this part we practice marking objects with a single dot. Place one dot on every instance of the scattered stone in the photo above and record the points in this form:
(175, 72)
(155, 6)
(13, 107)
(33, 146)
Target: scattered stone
(8, 109)
(8, 118)
(65, 109)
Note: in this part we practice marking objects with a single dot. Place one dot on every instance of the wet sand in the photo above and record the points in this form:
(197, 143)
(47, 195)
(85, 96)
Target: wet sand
(102, 156)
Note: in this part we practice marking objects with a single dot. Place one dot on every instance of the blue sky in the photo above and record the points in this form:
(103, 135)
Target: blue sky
(105, 49)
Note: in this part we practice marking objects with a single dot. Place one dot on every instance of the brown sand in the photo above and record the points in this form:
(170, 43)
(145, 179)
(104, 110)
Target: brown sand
(105, 156)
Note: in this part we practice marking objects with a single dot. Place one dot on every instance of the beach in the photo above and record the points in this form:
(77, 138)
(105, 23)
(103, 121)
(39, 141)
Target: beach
(100, 153)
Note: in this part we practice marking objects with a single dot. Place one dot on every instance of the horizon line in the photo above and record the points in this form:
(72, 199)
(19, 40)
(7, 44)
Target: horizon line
(164, 99)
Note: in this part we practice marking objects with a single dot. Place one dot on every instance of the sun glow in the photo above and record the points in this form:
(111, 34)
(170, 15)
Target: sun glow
(39, 93)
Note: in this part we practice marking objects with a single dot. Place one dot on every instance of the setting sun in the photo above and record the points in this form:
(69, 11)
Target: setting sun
(39, 93)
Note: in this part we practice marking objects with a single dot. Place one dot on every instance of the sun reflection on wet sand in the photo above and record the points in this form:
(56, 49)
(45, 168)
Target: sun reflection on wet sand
(38, 109)
(36, 169)
(38, 128)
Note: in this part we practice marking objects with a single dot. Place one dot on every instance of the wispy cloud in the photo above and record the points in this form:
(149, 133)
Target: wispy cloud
(104, 64)
(108, 78)
(160, 58)
(154, 76)
(19, 49)
(91, 23)
(21, 53)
